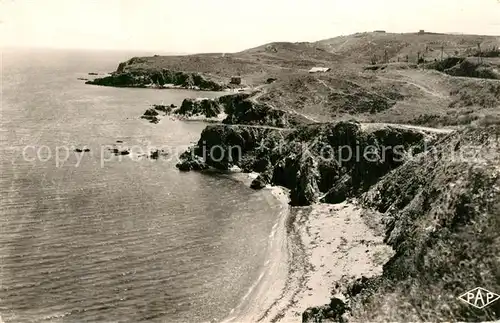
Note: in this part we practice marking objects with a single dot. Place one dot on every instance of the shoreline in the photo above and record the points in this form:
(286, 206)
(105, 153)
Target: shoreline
(311, 249)
(334, 243)
(264, 292)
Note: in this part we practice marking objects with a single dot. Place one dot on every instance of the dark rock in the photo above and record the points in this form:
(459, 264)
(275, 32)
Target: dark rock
(79, 150)
(357, 286)
(195, 164)
(158, 78)
(190, 161)
(332, 312)
(164, 108)
(296, 159)
(206, 107)
(241, 110)
(116, 151)
(261, 181)
(93, 73)
(150, 112)
(151, 115)
(440, 212)
(151, 119)
(155, 154)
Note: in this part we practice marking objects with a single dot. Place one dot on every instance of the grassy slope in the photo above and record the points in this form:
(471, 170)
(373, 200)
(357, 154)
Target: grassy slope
(400, 93)
(441, 215)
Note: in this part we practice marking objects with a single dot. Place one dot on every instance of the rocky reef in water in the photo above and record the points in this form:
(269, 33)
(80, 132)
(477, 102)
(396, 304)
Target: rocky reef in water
(324, 162)
(151, 115)
(157, 78)
(440, 213)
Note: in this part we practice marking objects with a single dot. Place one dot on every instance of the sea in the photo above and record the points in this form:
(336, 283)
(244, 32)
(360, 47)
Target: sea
(95, 237)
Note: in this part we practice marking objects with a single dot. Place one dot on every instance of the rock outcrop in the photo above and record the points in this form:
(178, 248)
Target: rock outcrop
(157, 78)
(151, 115)
(242, 110)
(234, 108)
(209, 108)
(328, 162)
(164, 108)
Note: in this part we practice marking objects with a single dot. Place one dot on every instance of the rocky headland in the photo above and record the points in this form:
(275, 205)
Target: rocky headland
(237, 108)
(163, 78)
(328, 162)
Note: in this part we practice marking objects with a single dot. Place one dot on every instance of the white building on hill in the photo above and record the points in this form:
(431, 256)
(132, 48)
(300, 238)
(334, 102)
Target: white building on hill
(319, 69)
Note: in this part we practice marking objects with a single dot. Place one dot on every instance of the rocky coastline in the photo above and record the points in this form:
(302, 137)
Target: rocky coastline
(365, 179)
(157, 78)
(232, 109)
(315, 162)
(400, 178)
(404, 195)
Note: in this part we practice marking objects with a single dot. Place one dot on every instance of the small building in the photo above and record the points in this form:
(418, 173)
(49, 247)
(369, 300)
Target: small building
(235, 80)
(379, 31)
(421, 31)
(319, 69)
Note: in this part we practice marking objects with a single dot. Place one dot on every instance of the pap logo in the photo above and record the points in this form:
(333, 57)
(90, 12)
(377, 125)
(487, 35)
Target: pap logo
(479, 297)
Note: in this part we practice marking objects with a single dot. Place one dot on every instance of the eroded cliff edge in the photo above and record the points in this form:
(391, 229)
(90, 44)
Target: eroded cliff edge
(230, 109)
(125, 76)
(328, 162)
(441, 215)
(438, 196)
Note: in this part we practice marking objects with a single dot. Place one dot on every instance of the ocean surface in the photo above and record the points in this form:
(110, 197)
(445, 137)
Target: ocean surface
(93, 237)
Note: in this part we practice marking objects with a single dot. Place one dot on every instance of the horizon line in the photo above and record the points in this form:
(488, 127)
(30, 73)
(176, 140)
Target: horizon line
(172, 53)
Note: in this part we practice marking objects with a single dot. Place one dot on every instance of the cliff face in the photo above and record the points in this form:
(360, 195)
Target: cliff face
(208, 108)
(441, 213)
(237, 109)
(160, 78)
(328, 162)
(242, 110)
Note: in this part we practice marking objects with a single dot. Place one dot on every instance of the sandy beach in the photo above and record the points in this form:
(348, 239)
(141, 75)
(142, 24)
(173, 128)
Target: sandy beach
(332, 242)
(310, 249)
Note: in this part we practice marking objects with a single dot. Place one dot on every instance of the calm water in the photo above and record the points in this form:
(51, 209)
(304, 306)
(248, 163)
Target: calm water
(124, 240)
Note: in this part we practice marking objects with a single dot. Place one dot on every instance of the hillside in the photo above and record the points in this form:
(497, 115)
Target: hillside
(433, 195)
(362, 47)
(439, 213)
(374, 77)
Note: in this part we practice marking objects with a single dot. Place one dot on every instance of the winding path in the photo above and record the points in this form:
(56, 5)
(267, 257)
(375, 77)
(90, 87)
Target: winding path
(421, 86)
